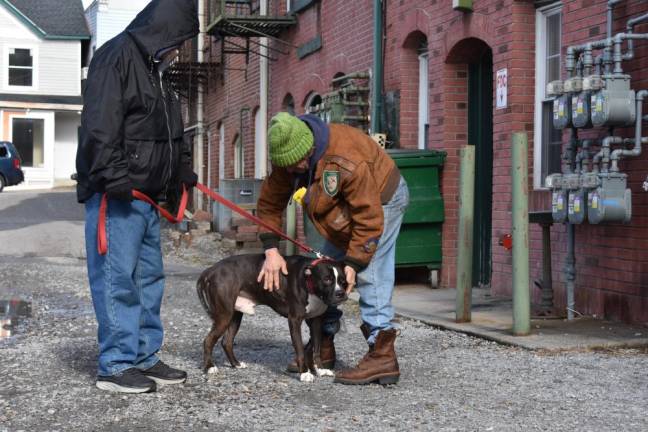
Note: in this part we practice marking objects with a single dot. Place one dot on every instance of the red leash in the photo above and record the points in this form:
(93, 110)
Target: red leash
(102, 239)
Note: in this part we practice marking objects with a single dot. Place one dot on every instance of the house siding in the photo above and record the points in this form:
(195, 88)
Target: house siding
(58, 63)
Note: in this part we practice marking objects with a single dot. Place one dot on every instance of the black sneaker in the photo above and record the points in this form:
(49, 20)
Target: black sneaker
(129, 381)
(163, 374)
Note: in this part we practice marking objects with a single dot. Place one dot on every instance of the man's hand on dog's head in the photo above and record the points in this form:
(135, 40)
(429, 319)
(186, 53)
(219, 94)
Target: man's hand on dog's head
(350, 274)
(269, 273)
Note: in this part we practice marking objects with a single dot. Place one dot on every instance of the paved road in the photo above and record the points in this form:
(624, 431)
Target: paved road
(450, 382)
(37, 223)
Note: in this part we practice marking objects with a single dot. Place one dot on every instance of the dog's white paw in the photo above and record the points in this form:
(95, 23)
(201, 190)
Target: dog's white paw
(307, 377)
(212, 370)
(242, 366)
(324, 372)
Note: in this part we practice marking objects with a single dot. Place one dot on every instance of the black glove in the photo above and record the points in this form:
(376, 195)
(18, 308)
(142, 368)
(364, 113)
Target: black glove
(122, 191)
(187, 176)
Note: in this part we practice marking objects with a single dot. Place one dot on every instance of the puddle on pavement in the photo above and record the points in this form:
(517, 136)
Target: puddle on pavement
(11, 312)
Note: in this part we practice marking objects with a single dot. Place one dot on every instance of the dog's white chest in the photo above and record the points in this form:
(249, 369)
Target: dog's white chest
(245, 305)
(315, 306)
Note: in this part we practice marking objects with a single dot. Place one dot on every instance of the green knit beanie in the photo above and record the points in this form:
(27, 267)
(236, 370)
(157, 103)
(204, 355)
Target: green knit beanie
(289, 139)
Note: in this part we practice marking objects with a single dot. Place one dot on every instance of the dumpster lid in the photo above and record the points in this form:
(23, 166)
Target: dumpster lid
(414, 153)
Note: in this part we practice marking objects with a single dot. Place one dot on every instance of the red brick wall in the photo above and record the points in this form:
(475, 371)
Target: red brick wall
(342, 51)
(611, 259)
(612, 265)
(232, 101)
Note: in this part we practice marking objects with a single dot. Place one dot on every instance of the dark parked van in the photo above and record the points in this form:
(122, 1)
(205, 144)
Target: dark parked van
(10, 172)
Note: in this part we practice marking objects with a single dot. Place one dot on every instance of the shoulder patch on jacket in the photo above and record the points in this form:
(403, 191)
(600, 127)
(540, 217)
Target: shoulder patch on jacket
(331, 182)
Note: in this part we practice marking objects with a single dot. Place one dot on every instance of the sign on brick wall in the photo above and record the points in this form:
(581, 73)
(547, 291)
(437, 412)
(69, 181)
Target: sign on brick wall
(502, 88)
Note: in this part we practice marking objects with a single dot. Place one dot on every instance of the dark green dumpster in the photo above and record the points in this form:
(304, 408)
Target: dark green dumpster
(419, 241)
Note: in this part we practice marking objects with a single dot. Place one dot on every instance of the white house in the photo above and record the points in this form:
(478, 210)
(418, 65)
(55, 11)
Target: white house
(107, 18)
(41, 48)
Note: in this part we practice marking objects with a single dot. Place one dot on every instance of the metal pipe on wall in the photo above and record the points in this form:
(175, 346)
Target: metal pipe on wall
(261, 153)
(377, 69)
(570, 269)
(200, 47)
(604, 154)
(630, 25)
(636, 150)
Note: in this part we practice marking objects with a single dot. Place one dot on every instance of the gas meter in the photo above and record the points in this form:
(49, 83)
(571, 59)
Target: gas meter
(615, 104)
(559, 197)
(580, 107)
(562, 111)
(611, 201)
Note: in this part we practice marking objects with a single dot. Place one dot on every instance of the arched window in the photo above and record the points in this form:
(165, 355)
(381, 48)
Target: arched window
(259, 150)
(288, 104)
(221, 151)
(313, 103)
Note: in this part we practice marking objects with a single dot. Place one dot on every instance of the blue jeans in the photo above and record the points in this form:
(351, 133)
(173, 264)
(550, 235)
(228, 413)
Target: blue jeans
(126, 284)
(375, 284)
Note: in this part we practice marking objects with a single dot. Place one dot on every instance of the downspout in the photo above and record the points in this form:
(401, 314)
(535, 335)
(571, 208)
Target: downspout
(377, 70)
(261, 155)
(636, 151)
(198, 197)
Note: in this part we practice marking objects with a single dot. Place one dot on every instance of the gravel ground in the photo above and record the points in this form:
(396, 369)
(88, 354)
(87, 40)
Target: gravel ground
(449, 381)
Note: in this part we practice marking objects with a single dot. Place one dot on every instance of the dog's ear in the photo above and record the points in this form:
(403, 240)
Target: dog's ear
(308, 271)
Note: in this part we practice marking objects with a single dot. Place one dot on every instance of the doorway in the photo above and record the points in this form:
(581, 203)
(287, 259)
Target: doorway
(480, 134)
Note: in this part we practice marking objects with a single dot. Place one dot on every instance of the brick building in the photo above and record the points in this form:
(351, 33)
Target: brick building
(440, 68)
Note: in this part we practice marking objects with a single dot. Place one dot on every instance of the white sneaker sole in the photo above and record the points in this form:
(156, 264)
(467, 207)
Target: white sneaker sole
(110, 386)
(163, 381)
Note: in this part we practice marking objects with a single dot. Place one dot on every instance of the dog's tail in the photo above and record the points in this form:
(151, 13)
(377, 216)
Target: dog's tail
(203, 290)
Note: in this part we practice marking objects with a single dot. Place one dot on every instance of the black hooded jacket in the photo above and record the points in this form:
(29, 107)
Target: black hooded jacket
(131, 126)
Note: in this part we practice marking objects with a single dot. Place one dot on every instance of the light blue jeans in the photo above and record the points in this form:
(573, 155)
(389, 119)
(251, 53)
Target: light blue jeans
(375, 284)
(126, 284)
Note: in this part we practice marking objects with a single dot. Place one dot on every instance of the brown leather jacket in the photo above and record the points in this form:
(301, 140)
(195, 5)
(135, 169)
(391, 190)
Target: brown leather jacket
(352, 180)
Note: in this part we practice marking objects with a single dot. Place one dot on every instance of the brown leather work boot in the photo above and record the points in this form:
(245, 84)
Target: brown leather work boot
(327, 354)
(379, 364)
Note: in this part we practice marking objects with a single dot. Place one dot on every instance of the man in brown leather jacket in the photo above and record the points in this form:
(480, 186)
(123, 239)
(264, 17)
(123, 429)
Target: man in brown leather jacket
(356, 199)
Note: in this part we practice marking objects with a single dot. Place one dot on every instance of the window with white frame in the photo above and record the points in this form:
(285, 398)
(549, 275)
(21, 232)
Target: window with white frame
(239, 158)
(424, 120)
(221, 152)
(547, 140)
(21, 67)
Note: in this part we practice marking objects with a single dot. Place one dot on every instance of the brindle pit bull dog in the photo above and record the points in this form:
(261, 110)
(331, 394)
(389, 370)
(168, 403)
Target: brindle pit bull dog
(229, 288)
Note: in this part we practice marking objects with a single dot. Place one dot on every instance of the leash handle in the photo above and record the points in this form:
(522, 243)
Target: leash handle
(102, 238)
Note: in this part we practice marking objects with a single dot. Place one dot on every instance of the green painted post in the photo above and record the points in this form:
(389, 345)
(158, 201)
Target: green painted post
(291, 226)
(463, 5)
(520, 196)
(465, 242)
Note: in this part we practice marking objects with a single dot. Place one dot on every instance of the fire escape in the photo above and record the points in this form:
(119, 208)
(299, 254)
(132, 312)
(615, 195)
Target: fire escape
(238, 24)
(188, 76)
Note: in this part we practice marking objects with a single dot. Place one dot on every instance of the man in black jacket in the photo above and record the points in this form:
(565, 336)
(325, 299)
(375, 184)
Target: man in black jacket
(132, 138)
